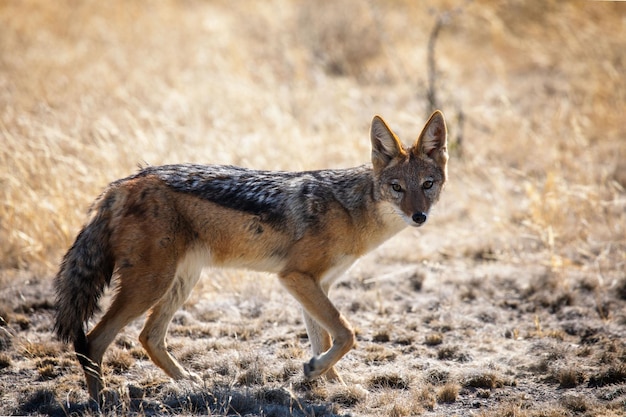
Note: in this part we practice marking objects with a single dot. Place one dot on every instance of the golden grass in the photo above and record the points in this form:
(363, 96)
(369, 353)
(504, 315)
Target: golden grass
(90, 90)
(448, 393)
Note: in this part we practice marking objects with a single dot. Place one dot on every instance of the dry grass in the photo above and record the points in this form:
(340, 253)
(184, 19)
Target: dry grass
(519, 276)
(433, 339)
(448, 393)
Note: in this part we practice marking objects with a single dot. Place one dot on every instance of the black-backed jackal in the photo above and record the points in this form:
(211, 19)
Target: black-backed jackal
(157, 229)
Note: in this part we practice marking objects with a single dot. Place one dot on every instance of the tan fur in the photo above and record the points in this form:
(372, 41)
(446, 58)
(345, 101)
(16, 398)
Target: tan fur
(158, 229)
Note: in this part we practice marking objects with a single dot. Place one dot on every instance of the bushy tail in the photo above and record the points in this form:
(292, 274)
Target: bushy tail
(85, 271)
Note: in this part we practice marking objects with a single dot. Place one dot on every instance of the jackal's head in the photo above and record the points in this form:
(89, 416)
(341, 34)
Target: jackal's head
(410, 179)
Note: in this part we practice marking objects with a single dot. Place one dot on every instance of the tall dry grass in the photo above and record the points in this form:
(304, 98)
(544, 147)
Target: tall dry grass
(89, 90)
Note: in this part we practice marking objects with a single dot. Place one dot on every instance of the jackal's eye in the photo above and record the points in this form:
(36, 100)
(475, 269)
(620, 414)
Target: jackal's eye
(427, 185)
(396, 187)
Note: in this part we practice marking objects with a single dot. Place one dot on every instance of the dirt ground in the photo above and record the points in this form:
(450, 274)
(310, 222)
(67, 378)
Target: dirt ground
(436, 337)
(509, 302)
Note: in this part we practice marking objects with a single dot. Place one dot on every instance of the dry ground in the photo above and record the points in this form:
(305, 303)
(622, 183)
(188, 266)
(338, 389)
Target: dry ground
(510, 302)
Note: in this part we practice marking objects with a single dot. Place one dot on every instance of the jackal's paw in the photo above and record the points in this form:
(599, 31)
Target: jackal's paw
(108, 399)
(311, 370)
(189, 381)
(193, 377)
(333, 376)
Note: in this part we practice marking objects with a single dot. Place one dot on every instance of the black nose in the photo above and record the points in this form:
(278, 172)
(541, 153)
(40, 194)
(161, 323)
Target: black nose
(419, 217)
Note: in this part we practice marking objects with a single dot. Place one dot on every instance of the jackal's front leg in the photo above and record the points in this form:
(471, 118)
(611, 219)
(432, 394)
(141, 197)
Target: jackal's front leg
(320, 343)
(322, 317)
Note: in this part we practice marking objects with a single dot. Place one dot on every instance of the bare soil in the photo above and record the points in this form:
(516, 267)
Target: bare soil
(436, 336)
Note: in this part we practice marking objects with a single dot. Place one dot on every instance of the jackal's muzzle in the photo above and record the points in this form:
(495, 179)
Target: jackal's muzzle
(419, 218)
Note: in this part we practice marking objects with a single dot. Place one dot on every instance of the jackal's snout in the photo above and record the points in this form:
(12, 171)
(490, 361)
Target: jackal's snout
(419, 218)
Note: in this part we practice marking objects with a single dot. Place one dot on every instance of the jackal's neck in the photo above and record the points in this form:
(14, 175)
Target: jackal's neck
(352, 187)
(357, 190)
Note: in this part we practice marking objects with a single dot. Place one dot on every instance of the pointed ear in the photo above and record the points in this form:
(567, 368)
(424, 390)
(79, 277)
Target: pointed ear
(385, 144)
(433, 140)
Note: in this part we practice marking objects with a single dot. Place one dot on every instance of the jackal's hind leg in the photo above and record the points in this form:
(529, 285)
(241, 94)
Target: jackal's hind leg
(152, 336)
(125, 307)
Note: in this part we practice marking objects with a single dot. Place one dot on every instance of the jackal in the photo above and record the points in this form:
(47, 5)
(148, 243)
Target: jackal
(155, 231)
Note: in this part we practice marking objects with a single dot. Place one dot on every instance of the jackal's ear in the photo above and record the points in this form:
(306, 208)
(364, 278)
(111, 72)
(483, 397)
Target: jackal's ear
(433, 139)
(385, 144)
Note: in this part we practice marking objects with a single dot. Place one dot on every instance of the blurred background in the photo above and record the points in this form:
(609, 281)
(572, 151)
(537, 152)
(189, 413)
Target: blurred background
(533, 92)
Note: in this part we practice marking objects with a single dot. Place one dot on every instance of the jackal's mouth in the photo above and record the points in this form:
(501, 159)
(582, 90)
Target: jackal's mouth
(416, 220)
(412, 223)
(395, 212)
(408, 220)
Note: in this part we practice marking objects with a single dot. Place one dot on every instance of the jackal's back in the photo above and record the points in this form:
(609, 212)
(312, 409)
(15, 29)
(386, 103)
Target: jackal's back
(277, 197)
